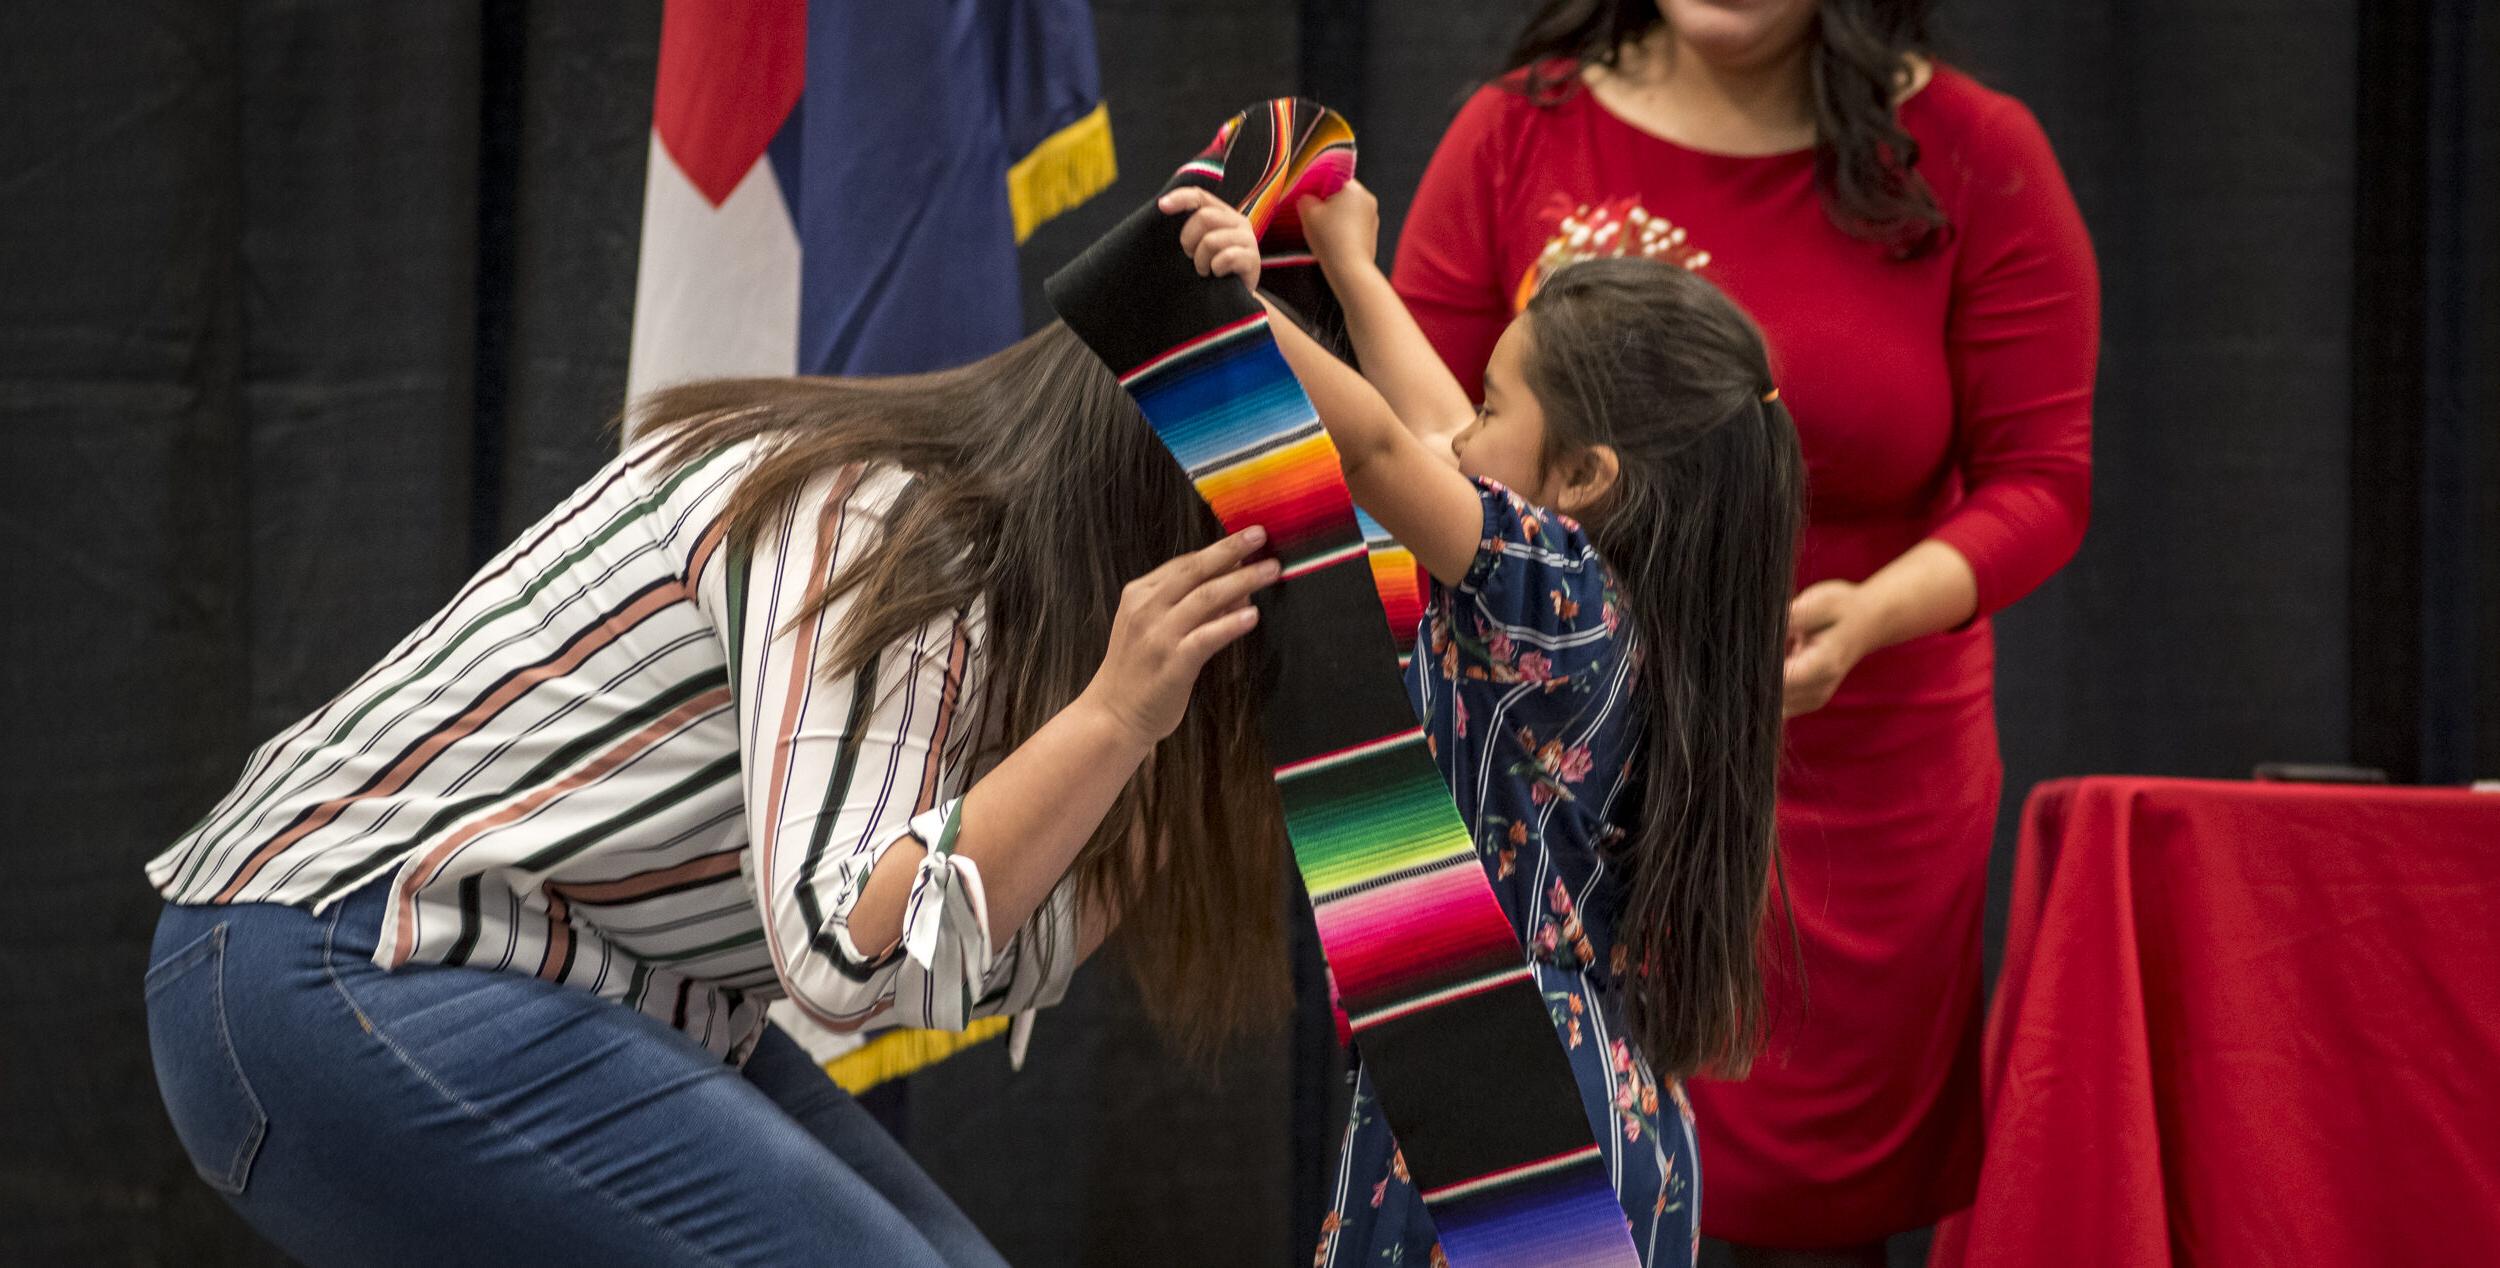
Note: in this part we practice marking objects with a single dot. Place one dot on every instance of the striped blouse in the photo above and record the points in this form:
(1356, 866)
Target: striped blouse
(614, 762)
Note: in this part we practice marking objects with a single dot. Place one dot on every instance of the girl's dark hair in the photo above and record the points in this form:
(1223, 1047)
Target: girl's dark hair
(1865, 162)
(1700, 528)
(1039, 489)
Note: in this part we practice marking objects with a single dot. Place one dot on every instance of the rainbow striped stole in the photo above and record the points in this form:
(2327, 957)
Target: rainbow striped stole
(1453, 1031)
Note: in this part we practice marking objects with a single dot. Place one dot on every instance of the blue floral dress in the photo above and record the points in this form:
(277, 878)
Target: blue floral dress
(1522, 676)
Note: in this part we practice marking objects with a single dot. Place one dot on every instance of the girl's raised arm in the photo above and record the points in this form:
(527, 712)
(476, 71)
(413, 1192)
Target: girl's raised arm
(1344, 233)
(1408, 483)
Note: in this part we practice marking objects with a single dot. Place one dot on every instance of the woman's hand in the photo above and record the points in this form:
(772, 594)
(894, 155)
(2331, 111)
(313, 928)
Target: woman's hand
(1826, 639)
(1832, 625)
(1344, 228)
(1170, 621)
(1217, 238)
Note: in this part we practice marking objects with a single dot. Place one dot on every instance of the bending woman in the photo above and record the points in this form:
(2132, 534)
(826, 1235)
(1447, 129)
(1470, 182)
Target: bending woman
(873, 694)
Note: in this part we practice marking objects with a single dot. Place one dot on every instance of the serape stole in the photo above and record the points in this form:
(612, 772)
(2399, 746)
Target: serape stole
(1435, 984)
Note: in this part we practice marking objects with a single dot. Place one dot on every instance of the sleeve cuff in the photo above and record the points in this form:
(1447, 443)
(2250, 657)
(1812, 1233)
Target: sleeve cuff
(850, 876)
(946, 930)
(1975, 541)
(950, 972)
(1494, 501)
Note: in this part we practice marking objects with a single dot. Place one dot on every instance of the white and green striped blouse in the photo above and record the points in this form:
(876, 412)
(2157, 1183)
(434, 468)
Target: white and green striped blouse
(614, 762)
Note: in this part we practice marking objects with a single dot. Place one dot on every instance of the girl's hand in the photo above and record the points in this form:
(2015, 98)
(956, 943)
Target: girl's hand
(1343, 229)
(1170, 621)
(1824, 643)
(1217, 237)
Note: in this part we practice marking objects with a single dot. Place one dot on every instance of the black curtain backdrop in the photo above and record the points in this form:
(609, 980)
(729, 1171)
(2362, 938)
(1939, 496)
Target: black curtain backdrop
(306, 307)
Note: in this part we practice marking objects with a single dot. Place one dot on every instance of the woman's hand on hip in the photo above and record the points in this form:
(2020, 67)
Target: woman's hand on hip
(1826, 639)
(1170, 622)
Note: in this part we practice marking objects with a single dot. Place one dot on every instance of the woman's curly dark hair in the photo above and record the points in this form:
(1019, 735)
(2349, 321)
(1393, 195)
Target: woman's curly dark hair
(1865, 163)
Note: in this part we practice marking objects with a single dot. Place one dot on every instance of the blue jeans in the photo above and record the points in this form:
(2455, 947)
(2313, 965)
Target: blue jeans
(463, 1116)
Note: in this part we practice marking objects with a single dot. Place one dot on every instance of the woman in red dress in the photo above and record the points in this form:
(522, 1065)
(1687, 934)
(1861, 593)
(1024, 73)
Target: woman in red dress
(1907, 242)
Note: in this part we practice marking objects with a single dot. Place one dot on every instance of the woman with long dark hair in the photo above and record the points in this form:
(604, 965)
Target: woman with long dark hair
(1906, 242)
(875, 695)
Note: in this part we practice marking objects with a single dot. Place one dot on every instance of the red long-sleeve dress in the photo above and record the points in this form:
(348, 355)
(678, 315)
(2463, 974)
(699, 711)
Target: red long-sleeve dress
(1947, 397)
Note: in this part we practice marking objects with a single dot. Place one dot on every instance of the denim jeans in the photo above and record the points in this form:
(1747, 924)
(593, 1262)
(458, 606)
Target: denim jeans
(439, 1115)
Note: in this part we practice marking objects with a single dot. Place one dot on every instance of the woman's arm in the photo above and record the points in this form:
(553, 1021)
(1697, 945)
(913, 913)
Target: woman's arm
(1021, 824)
(873, 899)
(1832, 625)
(2022, 345)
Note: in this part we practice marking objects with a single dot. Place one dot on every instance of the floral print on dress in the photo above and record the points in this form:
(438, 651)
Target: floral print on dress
(1524, 693)
(1588, 231)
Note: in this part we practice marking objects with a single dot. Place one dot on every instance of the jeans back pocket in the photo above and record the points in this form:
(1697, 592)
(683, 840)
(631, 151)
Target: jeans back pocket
(214, 1110)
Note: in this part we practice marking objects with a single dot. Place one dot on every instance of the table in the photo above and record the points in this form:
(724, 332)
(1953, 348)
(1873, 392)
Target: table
(2244, 1024)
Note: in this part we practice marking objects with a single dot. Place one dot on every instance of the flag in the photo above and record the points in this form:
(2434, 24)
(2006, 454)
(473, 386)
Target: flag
(716, 291)
(840, 187)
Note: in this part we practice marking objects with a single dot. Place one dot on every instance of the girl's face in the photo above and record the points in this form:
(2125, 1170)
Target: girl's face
(1740, 34)
(1507, 441)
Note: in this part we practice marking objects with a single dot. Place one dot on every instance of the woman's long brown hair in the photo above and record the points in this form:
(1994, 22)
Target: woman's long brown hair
(1039, 490)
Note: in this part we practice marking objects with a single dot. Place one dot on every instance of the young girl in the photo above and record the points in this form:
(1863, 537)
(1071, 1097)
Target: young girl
(1610, 536)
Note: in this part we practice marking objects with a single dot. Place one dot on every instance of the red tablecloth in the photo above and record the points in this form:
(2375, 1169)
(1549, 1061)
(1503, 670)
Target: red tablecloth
(2244, 1024)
